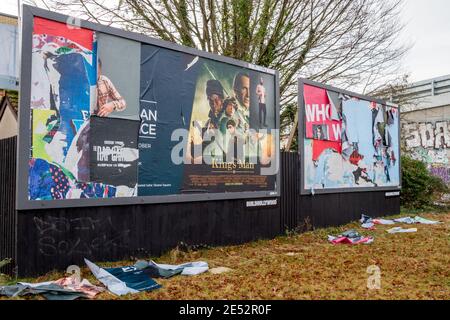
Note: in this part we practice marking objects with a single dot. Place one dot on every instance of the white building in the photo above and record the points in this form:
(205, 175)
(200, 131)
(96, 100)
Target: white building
(426, 123)
(9, 52)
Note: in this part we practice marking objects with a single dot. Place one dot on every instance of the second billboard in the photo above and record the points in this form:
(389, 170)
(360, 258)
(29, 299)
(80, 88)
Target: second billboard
(348, 142)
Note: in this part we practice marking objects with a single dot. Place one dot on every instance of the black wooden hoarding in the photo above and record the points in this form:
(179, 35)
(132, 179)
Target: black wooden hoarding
(8, 213)
(56, 238)
(119, 118)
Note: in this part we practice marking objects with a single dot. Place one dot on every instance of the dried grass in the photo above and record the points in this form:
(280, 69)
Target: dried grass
(413, 266)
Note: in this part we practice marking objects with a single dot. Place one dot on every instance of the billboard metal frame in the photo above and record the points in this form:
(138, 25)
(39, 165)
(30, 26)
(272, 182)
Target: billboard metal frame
(24, 141)
(301, 138)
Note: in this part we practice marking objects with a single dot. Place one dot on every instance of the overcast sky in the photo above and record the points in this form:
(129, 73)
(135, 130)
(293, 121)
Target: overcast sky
(427, 27)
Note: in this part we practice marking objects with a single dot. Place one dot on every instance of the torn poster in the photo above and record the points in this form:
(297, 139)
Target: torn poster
(368, 222)
(123, 280)
(159, 270)
(348, 142)
(350, 237)
(401, 230)
(318, 116)
(63, 79)
(68, 288)
(416, 219)
(114, 153)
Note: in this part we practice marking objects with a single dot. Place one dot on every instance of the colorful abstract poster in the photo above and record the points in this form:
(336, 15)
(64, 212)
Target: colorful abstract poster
(44, 126)
(63, 84)
(364, 152)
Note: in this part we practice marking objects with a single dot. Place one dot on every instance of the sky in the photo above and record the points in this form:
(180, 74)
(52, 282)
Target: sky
(427, 27)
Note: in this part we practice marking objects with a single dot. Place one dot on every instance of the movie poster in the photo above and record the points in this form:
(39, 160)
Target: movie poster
(232, 122)
(216, 119)
(349, 142)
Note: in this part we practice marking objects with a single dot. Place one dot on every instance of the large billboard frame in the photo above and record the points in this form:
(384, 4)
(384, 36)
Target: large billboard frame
(301, 137)
(24, 141)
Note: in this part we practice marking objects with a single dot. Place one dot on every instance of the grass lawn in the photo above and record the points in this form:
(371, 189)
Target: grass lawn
(306, 266)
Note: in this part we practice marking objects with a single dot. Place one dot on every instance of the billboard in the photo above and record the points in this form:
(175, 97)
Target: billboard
(113, 117)
(348, 142)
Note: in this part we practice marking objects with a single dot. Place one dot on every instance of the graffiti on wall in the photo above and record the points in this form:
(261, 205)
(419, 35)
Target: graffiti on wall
(442, 172)
(427, 142)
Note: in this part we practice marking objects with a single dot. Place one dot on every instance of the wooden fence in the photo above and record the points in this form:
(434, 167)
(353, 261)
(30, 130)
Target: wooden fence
(56, 238)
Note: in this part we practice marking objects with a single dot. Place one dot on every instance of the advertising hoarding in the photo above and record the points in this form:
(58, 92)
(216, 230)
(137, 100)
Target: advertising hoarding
(113, 117)
(348, 142)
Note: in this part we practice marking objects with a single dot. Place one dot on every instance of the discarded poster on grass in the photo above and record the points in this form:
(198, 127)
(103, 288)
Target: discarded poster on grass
(350, 237)
(123, 280)
(68, 288)
(160, 270)
(401, 230)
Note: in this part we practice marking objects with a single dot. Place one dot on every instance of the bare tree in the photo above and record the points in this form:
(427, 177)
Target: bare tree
(349, 43)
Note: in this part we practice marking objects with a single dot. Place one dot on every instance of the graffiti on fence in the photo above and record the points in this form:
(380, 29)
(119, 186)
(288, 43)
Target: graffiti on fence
(93, 235)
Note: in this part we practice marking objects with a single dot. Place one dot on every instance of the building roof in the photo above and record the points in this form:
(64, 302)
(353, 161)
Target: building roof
(8, 19)
(6, 102)
(12, 97)
(426, 94)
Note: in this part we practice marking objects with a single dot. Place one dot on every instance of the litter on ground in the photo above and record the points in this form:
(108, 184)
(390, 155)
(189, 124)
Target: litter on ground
(401, 230)
(369, 223)
(138, 277)
(350, 237)
(68, 288)
(169, 270)
(220, 270)
(123, 280)
(416, 219)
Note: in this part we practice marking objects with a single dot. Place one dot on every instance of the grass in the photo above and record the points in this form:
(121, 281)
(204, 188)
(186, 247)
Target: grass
(306, 266)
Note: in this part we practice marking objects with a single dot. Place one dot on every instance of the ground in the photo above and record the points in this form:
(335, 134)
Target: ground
(306, 266)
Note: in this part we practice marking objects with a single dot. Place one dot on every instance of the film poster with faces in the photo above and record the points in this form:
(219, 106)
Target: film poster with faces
(113, 117)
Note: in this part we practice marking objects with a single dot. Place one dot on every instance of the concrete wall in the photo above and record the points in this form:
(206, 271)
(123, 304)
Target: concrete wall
(9, 52)
(426, 137)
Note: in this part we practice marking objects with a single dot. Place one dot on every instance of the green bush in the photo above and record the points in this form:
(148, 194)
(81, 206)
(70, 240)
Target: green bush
(419, 187)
